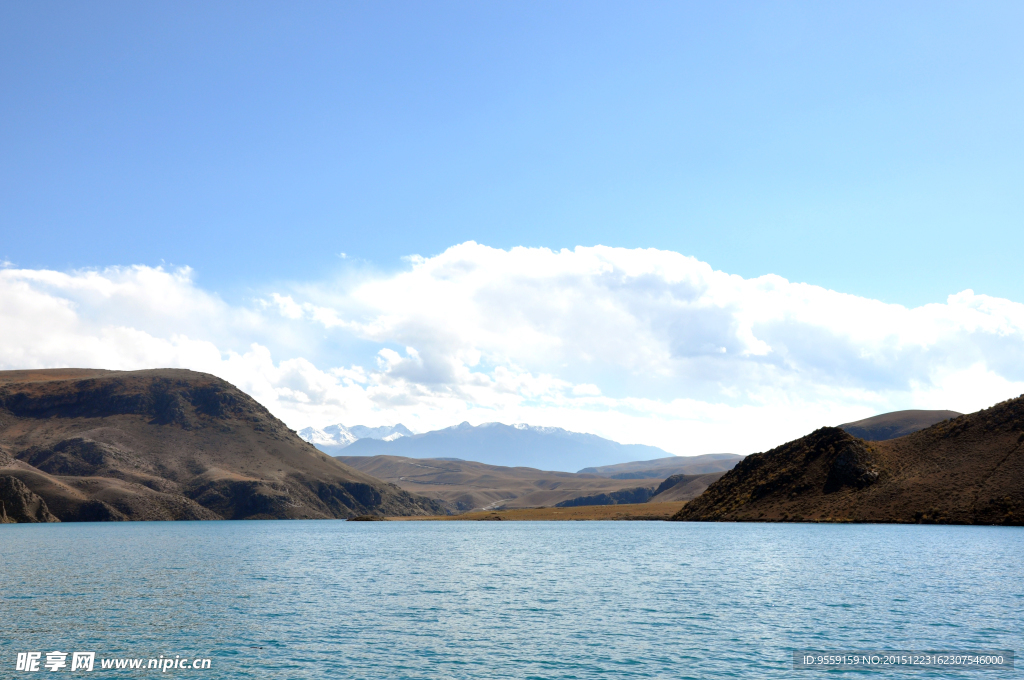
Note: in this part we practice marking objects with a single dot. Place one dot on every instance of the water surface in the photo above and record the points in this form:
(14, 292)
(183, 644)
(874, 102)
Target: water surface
(331, 599)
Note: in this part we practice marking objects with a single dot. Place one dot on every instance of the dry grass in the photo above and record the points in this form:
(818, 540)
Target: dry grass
(472, 486)
(636, 511)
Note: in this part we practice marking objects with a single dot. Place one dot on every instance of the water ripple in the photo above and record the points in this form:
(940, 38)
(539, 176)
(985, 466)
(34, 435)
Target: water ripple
(506, 600)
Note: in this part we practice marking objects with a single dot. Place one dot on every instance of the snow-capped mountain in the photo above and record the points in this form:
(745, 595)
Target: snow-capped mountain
(333, 438)
(545, 448)
(387, 433)
(317, 436)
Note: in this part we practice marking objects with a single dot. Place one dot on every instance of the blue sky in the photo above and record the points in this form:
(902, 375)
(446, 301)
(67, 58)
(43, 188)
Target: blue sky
(872, 148)
(202, 167)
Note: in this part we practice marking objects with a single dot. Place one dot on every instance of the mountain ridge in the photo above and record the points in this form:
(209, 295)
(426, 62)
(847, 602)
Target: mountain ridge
(520, 445)
(334, 438)
(170, 444)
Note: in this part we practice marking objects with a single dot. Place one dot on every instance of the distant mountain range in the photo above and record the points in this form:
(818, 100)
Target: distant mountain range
(521, 445)
(334, 438)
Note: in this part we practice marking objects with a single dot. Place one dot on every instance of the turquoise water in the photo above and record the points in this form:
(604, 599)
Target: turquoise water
(330, 599)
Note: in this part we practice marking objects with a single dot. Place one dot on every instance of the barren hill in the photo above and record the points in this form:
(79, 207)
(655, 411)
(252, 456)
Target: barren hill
(467, 485)
(895, 424)
(684, 487)
(966, 470)
(668, 466)
(168, 444)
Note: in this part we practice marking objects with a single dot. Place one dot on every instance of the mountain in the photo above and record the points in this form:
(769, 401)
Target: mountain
(334, 438)
(166, 444)
(677, 488)
(895, 424)
(638, 494)
(319, 438)
(465, 485)
(684, 487)
(967, 470)
(544, 448)
(664, 467)
(386, 432)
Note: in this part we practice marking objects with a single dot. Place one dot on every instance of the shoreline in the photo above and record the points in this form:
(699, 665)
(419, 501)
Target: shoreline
(652, 512)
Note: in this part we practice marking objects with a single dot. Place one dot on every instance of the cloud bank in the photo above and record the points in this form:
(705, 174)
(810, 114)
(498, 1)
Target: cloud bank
(642, 346)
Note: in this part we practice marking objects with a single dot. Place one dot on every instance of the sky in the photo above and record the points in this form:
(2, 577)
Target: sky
(702, 226)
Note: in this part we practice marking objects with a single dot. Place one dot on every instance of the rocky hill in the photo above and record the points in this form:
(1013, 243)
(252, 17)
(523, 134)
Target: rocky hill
(964, 470)
(82, 445)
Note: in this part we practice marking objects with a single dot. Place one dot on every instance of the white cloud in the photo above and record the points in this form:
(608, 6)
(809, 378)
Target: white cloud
(639, 345)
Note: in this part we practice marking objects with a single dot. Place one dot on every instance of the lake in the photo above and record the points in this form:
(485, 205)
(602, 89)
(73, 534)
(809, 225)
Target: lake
(332, 599)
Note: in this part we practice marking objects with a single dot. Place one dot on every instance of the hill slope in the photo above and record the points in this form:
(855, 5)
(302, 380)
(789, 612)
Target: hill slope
(547, 448)
(684, 487)
(467, 485)
(895, 424)
(169, 444)
(969, 470)
(666, 467)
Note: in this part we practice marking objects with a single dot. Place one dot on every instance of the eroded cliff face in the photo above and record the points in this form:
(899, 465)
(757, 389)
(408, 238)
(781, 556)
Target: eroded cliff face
(19, 504)
(965, 470)
(172, 444)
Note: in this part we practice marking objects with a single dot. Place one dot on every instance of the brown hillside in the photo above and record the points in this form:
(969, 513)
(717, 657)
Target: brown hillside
(967, 470)
(466, 485)
(170, 444)
(660, 468)
(684, 487)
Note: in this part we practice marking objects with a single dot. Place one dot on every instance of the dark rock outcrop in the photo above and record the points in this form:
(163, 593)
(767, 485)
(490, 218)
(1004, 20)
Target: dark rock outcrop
(19, 505)
(852, 467)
